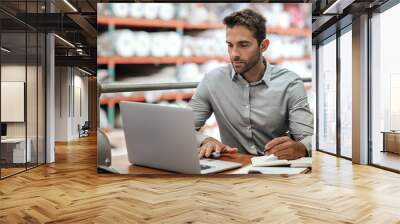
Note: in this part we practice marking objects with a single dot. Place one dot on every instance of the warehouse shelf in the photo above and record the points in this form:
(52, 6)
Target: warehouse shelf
(176, 24)
(167, 96)
(140, 98)
(155, 23)
(158, 60)
(292, 31)
(114, 60)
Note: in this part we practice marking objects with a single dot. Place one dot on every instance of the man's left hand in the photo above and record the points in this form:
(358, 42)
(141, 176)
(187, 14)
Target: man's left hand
(285, 148)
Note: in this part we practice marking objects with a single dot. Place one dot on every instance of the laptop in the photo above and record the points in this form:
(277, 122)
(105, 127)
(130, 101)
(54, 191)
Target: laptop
(163, 137)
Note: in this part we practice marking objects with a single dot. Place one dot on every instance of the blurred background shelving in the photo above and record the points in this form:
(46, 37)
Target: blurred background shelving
(141, 98)
(176, 24)
(180, 60)
(180, 42)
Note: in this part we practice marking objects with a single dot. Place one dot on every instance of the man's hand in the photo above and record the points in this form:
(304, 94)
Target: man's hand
(213, 145)
(285, 148)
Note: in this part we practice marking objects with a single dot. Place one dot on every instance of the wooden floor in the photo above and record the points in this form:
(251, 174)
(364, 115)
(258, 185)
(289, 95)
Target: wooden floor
(5, 172)
(387, 159)
(8, 171)
(70, 191)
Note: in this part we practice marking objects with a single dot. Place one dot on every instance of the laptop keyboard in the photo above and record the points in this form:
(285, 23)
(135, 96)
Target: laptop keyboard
(204, 167)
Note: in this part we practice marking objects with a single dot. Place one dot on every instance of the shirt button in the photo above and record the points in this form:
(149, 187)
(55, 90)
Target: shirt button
(253, 146)
(249, 127)
(247, 85)
(247, 106)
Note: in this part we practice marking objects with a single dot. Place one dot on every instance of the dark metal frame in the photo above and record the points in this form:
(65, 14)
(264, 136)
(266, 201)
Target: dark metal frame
(25, 89)
(338, 98)
(387, 5)
(37, 93)
(369, 90)
(44, 80)
(316, 96)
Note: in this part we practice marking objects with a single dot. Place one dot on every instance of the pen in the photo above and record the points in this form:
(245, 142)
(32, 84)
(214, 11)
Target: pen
(290, 135)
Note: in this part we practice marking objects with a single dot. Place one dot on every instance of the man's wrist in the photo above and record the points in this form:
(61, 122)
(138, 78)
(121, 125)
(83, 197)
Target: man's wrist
(306, 141)
(302, 149)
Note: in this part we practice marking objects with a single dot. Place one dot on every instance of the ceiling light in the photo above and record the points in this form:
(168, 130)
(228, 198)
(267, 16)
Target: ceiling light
(337, 7)
(79, 51)
(64, 40)
(5, 49)
(84, 71)
(70, 5)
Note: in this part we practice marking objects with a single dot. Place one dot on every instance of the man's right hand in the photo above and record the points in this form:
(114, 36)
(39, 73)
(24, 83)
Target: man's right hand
(213, 145)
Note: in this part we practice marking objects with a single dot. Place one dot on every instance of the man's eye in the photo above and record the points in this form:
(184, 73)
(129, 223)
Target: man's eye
(244, 45)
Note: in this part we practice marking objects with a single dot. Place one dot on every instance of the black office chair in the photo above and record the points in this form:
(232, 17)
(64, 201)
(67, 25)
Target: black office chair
(84, 130)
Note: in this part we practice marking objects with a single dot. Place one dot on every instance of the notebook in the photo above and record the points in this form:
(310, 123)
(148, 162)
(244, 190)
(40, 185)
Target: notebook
(249, 169)
(272, 160)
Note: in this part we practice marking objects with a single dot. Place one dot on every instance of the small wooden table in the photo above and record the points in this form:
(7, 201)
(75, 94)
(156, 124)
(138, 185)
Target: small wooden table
(391, 141)
(120, 164)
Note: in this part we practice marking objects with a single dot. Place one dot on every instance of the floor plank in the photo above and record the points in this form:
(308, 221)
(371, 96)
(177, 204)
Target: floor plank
(71, 191)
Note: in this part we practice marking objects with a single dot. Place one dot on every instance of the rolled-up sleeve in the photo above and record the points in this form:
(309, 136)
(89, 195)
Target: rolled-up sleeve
(201, 107)
(301, 124)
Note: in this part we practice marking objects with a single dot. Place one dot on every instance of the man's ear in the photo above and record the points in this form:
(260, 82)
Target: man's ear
(264, 45)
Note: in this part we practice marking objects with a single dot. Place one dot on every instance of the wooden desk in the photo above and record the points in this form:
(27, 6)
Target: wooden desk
(120, 164)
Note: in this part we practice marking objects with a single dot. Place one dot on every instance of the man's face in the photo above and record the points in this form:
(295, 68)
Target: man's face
(244, 50)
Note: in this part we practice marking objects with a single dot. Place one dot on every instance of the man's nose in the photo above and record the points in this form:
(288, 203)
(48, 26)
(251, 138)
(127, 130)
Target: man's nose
(235, 53)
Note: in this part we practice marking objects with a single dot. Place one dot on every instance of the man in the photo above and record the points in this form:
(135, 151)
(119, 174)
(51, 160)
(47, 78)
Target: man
(260, 109)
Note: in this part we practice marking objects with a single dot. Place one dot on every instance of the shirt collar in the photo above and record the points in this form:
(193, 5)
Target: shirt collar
(266, 77)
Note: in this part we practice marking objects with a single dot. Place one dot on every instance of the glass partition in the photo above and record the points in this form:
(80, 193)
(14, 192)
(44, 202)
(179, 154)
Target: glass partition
(385, 89)
(14, 153)
(346, 94)
(22, 90)
(327, 97)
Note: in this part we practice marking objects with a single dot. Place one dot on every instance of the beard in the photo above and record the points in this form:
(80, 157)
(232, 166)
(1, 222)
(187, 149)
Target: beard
(243, 66)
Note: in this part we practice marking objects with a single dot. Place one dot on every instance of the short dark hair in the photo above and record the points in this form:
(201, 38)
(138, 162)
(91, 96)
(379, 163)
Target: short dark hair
(252, 20)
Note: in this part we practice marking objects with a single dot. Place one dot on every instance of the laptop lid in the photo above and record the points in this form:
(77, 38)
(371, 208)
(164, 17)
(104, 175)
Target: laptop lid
(161, 137)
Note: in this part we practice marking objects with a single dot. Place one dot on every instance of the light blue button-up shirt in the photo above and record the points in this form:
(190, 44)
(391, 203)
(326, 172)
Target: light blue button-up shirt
(249, 115)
